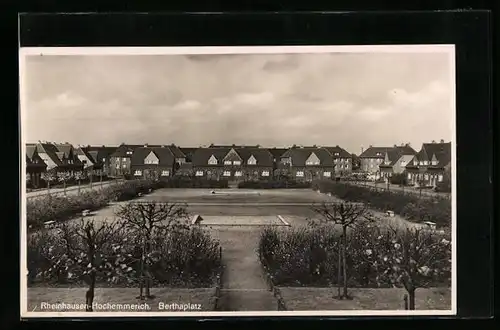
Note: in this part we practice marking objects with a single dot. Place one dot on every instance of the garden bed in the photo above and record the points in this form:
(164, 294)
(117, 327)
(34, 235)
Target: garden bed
(409, 206)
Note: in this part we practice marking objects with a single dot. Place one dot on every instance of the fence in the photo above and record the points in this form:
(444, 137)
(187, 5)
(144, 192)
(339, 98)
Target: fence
(422, 193)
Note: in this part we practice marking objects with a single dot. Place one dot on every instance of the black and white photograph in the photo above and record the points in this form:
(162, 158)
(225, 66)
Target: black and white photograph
(238, 181)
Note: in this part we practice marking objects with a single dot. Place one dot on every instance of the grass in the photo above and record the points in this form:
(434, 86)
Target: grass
(300, 299)
(201, 297)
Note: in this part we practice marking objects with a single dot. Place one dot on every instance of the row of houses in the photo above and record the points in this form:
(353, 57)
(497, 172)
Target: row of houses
(427, 167)
(237, 163)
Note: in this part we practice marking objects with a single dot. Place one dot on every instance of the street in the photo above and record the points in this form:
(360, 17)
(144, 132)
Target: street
(73, 190)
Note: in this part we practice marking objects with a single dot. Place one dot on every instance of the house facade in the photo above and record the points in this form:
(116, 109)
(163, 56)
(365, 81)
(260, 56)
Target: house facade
(306, 164)
(342, 160)
(395, 161)
(101, 156)
(152, 163)
(371, 158)
(431, 165)
(35, 166)
(120, 161)
(233, 163)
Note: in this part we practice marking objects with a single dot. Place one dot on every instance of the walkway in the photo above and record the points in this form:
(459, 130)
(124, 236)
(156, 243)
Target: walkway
(244, 286)
(73, 190)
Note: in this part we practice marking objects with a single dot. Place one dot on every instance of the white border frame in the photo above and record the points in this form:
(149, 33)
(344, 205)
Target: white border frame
(137, 51)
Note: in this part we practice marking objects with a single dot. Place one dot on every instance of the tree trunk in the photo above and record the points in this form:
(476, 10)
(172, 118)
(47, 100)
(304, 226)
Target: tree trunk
(90, 293)
(411, 298)
(64, 187)
(78, 187)
(344, 261)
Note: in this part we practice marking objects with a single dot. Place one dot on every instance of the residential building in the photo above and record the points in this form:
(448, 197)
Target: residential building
(236, 163)
(101, 156)
(395, 161)
(306, 164)
(153, 163)
(90, 164)
(35, 166)
(432, 164)
(188, 152)
(371, 158)
(342, 160)
(59, 157)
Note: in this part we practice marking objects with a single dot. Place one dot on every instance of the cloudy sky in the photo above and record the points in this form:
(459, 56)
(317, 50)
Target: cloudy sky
(346, 99)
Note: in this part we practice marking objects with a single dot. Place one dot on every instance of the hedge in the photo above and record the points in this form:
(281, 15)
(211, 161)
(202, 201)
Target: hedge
(59, 208)
(186, 182)
(185, 258)
(308, 256)
(280, 184)
(410, 206)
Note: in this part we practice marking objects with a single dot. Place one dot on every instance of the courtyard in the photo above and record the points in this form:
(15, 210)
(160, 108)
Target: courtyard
(236, 217)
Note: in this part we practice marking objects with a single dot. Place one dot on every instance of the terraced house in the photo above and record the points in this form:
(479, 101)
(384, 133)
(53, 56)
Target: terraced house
(306, 164)
(35, 166)
(235, 163)
(154, 163)
(342, 160)
(432, 164)
(395, 161)
(101, 156)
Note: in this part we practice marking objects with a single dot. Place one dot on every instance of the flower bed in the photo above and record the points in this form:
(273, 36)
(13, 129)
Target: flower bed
(186, 182)
(281, 184)
(410, 206)
(308, 256)
(181, 258)
(58, 208)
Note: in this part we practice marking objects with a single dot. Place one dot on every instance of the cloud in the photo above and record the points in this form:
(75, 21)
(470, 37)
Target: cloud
(345, 99)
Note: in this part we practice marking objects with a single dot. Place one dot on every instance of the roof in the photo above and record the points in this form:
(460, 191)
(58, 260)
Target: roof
(395, 153)
(165, 156)
(202, 155)
(51, 151)
(65, 148)
(263, 156)
(299, 155)
(176, 151)
(100, 152)
(442, 151)
(30, 150)
(277, 152)
(341, 151)
(372, 152)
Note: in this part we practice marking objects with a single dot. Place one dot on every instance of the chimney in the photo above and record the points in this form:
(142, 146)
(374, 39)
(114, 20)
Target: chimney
(371, 146)
(433, 141)
(395, 146)
(442, 141)
(362, 149)
(145, 145)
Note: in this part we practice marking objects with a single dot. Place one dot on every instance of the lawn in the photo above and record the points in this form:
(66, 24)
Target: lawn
(195, 297)
(301, 299)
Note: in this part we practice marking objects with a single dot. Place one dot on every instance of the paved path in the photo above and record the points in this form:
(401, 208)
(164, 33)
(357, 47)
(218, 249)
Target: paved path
(73, 190)
(244, 286)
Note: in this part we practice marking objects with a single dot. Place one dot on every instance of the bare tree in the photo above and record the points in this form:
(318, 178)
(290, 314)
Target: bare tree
(145, 219)
(345, 215)
(87, 240)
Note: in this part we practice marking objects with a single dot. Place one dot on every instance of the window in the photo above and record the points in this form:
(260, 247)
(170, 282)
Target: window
(165, 173)
(342, 166)
(300, 174)
(265, 173)
(138, 173)
(379, 154)
(346, 166)
(434, 162)
(409, 176)
(312, 163)
(336, 160)
(440, 178)
(336, 154)
(253, 161)
(124, 165)
(327, 174)
(371, 165)
(237, 162)
(117, 165)
(426, 176)
(403, 163)
(103, 160)
(124, 159)
(129, 152)
(199, 173)
(227, 162)
(227, 173)
(212, 160)
(237, 173)
(84, 161)
(151, 161)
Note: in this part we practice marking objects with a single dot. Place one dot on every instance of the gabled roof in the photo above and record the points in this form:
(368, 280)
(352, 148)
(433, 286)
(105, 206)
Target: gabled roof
(263, 156)
(30, 150)
(100, 152)
(165, 156)
(341, 151)
(176, 151)
(64, 148)
(202, 155)
(277, 152)
(442, 152)
(395, 153)
(299, 155)
(371, 152)
(50, 150)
